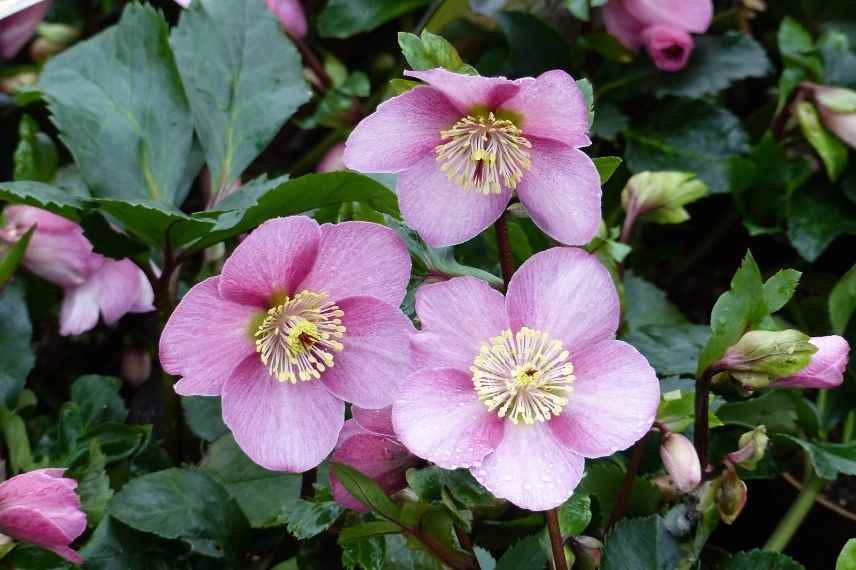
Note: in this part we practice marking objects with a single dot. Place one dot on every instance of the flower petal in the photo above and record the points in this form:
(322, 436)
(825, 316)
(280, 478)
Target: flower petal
(442, 211)
(438, 417)
(360, 259)
(469, 91)
(79, 310)
(566, 293)
(614, 401)
(531, 468)
(826, 367)
(457, 317)
(376, 357)
(669, 47)
(118, 286)
(205, 338)
(17, 29)
(622, 24)
(279, 425)
(374, 421)
(688, 15)
(552, 107)
(291, 16)
(561, 192)
(271, 260)
(403, 130)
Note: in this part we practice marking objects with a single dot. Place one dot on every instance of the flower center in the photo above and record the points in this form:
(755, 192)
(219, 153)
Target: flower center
(297, 338)
(484, 153)
(526, 377)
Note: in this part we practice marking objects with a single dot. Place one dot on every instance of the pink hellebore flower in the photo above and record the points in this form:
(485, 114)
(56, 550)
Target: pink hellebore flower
(59, 252)
(17, 29)
(663, 27)
(520, 389)
(826, 368)
(681, 461)
(463, 145)
(369, 445)
(41, 507)
(301, 318)
(291, 16)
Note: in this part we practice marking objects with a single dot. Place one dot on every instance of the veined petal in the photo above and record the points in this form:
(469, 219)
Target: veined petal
(468, 92)
(688, 15)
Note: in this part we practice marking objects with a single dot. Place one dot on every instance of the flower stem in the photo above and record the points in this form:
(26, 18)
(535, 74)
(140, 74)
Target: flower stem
(557, 543)
(796, 514)
(626, 485)
(312, 61)
(503, 243)
(702, 420)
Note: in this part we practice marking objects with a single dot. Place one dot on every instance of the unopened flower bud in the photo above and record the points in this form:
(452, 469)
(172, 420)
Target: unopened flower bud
(332, 160)
(837, 107)
(825, 369)
(587, 552)
(291, 16)
(681, 461)
(660, 197)
(13, 83)
(760, 357)
(668, 491)
(752, 444)
(731, 495)
(136, 366)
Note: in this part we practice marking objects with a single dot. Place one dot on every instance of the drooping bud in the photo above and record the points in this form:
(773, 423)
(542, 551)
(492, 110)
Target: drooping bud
(753, 445)
(587, 552)
(681, 461)
(760, 357)
(52, 39)
(659, 197)
(291, 16)
(837, 107)
(731, 495)
(136, 366)
(826, 367)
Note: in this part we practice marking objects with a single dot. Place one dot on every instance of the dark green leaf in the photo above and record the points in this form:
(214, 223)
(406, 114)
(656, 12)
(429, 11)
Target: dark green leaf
(17, 442)
(817, 215)
(153, 223)
(365, 530)
(430, 51)
(240, 96)
(641, 543)
(760, 560)
(832, 151)
(671, 349)
(426, 482)
(344, 18)
(847, 558)
(575, 515)
(16, 353)
(842, 301)
(527, 554)
(839, 59)
(43, 196)
(797, 47)
(365, 554)
(647, 305)
(609, 121)
(114, 546)
(204, 417)
(606, 167)
(14, 256)
(306, 519)
(401, 555)
(35, 157)
(534, 46)
(773, 409)
(28, 557)
(829, 459)
(94, 485)
(779, 289)
(603, 481)
(366, 491)
(98, 400)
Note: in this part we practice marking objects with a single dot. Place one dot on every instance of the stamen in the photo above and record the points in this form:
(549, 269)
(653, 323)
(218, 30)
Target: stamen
(526, 377)
(298, 338)
(484, 153)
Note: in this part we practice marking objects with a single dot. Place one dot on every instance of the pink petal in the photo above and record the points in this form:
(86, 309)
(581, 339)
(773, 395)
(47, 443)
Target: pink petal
(552, 107)
(670, 48)
(290, 15)
(400, 132)
(145, 300)
(118, 286)
(826, 368)
(17, 29)
(438, 417)
(614, 401)
(441, 211)
(376, 355)
(688, 15)
(64, 258)
(468, 92)
(622, 24)
(79, 310)
(566, 293)
(279, 425)
(205, 338)
(271, 260)
(183, 3)
(457, 317)
(381, 458)
(25, 216)
(531, 468)
(360, 259)
(374, 421)
(333, 160)
(561, 192)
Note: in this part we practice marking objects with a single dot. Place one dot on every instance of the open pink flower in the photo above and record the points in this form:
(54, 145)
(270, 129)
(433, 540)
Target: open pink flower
(826, 368)
(41, 507)
(94, 285)
(17, 29)
(463, 144)
(520, 389)
(663, 27)
(369, 445)
(301, 318)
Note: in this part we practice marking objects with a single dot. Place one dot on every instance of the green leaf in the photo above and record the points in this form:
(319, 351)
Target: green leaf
(603, 481)
(735, 312)
(401, 555)
(153, 223)
(16, 352)
(839, 58)
(647, 305)
(575, 515)
(14, 256)
(98, 400)
(262, 495)
(240, 96)
(94, 484)
(829, 459)
(671, 349)
(204, 417)
(716, 63)
(430, 51)
(345, 18)
(797, 47)
(608, 122)
(185, 504)
(641, 543)
(773, 409)
(817, 215)
(35, 156)
(677, 407)
(760, 560)
(365, 554)
(306, 519)
(606, 167)
(366, 530)
(832, 151)
(534, 46)
(526, 554)
(842, 301)
(120, 107)
(17, 442)
(847, 558)
(366, 491)
(426, 482)
(690, 136)
(28, 557)
(114, 546)
(779, 289)
(43, 196)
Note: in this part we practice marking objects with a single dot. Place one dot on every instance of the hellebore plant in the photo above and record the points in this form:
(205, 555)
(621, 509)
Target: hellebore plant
(302, 318)
(520, 389)
(464, 145)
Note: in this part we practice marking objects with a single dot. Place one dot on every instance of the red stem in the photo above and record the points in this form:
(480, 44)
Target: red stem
(626, 485)
(557, 543)
(503, 243)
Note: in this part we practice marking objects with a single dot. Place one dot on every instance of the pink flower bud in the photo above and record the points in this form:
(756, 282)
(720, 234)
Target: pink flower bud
(17, 29)
(291, 16)
(837, 108)
(136, 366)
(41, 507)
(826, 368)
(670, 48)
(681, 461)
(333, 160)
(588, 552)
(183, 3)
(753, 445)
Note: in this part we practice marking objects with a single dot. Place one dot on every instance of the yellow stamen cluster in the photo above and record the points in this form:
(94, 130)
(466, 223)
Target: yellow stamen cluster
(297, 338)
(525, 377)
(484, 153)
